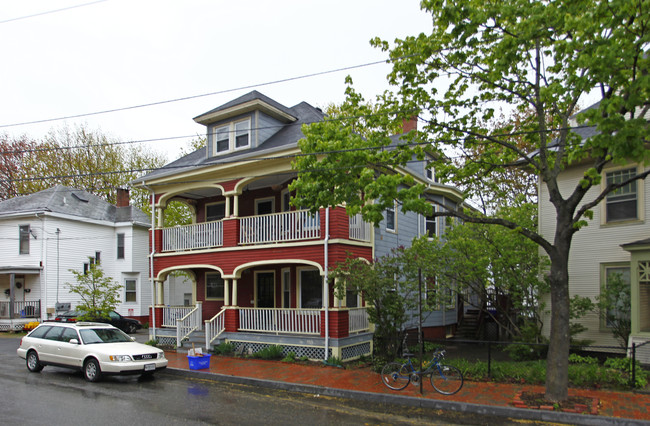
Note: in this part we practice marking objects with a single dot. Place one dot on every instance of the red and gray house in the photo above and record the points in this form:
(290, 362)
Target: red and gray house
(259, 267)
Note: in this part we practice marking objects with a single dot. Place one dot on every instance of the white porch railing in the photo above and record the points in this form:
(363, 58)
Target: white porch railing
(359, 230)
(186, 325)
(214, 327)
(172, 313)
(275, 320)
(358, 320)
(279, 227)
(195, 236)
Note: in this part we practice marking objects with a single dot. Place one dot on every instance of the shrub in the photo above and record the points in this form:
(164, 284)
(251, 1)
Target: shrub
(624, 366)
(269, 352)
(334, 361)
(578, 359)
(224, 348)
(291, 357)
(152, 342)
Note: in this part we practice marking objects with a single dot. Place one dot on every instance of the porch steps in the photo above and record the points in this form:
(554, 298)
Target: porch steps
(197, 337)
(469, 325)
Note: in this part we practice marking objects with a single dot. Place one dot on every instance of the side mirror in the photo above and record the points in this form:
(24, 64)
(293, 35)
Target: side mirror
(74, 341)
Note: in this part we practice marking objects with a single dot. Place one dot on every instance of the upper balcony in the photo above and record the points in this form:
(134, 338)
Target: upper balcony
(274, 228)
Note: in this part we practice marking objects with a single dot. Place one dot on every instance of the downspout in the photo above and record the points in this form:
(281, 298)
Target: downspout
(153, 251)
(327, 287)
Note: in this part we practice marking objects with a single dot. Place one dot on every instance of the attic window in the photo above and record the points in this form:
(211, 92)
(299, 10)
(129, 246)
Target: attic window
(233, 136)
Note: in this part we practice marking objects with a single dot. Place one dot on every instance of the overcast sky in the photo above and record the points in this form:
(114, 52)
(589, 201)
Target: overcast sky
(113, 54)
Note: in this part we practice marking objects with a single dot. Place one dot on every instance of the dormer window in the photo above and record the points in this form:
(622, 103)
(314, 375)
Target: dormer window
(232, 136)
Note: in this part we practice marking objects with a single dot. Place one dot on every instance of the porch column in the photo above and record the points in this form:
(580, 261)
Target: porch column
(227, 212)
(159, 293)
(226, 292)
(338, 301)
(234, 292)
(12, 292)
(235, 212)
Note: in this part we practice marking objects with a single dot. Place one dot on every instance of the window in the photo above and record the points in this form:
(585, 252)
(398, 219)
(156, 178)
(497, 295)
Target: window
(430, 222)
(214, 286)
(622, 203)
(130, 290)
(264, 206)
(98, 255)
(286, 288)
(311, 289)
(351, 299)
(215, 212)
(242, 134)
(120, 246)
(391, 219)
(24, 239)
(86, 268)
(615, 277)
(286, 200)
(232, 136)
(222, 138)
(431, 174)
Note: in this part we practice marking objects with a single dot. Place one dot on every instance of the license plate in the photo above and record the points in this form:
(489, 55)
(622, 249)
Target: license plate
(149, 367)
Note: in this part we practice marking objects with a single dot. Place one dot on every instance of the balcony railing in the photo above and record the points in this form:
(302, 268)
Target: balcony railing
(359, 230)
(358, 320)
(195, 236)
(279, 227)
(172, 313)
(272, 320)
(27, 309)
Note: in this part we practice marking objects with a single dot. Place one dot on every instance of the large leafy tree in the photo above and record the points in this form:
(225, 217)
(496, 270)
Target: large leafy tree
(539, 55)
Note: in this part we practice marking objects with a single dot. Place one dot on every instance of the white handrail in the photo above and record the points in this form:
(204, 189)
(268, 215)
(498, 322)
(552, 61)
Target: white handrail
(214, 327)
(279, 227)
(195, 236)
(276, 320)
(172, 313)
(186, 325)
(358, 320)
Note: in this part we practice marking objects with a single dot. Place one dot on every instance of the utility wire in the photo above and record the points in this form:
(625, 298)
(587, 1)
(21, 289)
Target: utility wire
(219, 92)
(51, 11)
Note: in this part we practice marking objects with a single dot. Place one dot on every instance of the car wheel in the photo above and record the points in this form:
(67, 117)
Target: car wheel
(33, 364)
(92, 372)
(131, 328)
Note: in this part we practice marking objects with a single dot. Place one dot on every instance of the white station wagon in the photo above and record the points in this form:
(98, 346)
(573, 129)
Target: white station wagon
(93, 348)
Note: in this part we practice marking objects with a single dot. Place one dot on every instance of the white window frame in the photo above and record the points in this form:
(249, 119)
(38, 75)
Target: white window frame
(604, 277)
(23, 238)
(121, 236)
(285, 199)
(233, 130)
(640, 199)
(134, 291)
(258, 201)
(286, 287)
(430, 219)
(394, 214)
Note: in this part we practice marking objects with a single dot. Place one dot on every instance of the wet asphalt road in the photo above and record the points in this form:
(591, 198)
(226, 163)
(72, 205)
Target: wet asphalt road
(58, 396)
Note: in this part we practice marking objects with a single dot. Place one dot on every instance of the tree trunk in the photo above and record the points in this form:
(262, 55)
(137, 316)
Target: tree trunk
(557, 361)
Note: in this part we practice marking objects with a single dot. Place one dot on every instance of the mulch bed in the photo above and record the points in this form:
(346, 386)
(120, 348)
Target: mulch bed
(574, 404)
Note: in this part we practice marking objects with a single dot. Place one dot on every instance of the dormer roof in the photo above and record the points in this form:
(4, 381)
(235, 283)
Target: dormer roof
(252, 101)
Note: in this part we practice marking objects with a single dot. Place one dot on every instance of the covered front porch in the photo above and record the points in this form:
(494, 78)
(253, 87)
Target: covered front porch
(344, 333)
(21, 305)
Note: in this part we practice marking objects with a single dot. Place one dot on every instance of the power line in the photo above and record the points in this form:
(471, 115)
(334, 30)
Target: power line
(51, 11)
(219, 92)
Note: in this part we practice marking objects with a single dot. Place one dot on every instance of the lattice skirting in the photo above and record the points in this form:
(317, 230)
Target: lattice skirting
(10, 327)
(166, 340)
(311, 352)
(355, 351)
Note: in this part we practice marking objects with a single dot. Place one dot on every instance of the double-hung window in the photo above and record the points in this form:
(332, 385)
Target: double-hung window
(621, 204)
(23, 234)
(214, 286)
(120, 246)
(232, 136)
(130, 291)
(391, 219)
(215, 212)
(430, 225)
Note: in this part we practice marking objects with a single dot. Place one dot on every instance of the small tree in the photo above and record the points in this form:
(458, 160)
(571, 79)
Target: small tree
(99, 294)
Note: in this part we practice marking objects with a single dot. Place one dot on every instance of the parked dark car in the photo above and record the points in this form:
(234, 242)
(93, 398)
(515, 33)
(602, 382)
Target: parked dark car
(127, 325)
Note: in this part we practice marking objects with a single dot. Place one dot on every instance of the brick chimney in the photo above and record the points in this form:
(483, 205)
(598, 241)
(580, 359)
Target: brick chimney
(122, 197)
(410, 124)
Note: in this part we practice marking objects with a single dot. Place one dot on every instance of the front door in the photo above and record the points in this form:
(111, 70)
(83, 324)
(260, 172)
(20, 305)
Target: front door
(265, 290)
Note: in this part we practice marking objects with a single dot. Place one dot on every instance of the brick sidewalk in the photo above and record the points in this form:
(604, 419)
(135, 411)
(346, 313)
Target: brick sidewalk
(627, 405)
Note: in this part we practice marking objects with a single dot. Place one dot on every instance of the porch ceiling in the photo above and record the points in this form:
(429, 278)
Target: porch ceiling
(21, 270)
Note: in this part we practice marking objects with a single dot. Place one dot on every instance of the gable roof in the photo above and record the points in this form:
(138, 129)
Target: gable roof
(286, 137)
(249, 102)
(73, 202)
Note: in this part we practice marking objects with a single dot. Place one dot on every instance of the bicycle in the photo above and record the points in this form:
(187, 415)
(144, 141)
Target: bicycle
(445, 379)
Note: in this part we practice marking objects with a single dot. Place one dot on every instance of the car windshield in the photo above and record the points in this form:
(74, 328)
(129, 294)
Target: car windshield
(103, 335)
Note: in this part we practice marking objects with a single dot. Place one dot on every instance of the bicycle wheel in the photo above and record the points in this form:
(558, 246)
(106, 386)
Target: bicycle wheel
(395, 376)
(446, 379)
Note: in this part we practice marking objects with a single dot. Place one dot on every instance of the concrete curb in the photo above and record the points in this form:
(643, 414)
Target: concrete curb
(432, 404)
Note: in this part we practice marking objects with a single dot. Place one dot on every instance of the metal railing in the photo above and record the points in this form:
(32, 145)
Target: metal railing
(214, 327)
(279, 227)
(195, 236)
(187, 324)
(26, 309)
(358, 320)
(359, 229)
(276, 320)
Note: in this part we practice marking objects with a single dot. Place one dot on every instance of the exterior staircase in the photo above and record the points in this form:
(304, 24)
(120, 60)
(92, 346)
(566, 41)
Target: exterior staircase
(468, 329)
